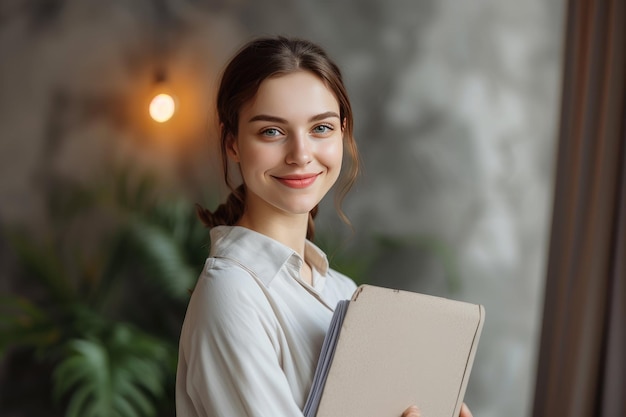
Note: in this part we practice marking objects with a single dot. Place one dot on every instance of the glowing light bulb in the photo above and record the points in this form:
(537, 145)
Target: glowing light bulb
(162, 107)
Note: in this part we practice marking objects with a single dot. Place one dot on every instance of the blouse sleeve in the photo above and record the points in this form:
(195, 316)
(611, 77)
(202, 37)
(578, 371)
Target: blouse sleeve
(228, 362)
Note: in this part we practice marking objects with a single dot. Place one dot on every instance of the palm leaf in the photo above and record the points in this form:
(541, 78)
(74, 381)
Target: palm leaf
(22, 323)
(165, 257)
(42, 263)
(106, 368)
(120, 374)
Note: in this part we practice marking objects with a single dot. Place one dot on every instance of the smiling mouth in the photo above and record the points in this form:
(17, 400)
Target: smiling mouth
(298, 181)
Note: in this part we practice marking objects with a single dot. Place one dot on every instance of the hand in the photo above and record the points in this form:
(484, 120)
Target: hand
(413, 411)
(465, 412)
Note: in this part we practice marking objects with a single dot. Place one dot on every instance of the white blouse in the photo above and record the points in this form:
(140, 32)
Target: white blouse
(253, 330)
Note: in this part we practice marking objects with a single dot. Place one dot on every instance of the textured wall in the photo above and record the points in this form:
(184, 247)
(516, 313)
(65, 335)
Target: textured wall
(456, 107)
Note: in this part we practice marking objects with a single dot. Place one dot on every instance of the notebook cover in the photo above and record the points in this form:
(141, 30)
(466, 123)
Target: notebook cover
(399, 348)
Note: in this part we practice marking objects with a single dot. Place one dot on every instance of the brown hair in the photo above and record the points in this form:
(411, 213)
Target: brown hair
(256, 61)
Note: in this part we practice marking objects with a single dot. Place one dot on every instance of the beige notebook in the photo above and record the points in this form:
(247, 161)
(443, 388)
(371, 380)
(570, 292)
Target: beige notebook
(388, 349)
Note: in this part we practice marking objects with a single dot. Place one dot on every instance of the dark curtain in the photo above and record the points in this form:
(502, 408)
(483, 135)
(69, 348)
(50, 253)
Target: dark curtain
(581, 367)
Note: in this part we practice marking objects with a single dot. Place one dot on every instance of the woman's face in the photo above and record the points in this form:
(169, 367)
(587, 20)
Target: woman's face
(290, 144)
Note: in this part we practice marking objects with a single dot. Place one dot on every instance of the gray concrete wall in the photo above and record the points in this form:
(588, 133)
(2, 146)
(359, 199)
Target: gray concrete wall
(456, 107)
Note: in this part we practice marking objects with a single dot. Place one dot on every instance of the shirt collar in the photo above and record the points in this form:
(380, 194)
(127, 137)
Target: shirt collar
(244, 246)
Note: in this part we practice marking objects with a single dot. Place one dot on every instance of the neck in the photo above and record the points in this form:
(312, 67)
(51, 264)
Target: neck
(290, 230)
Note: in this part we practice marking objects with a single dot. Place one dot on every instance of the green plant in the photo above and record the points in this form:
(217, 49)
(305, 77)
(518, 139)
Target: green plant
(434, 247)
(107, 290)
(117, 373)
(358, 261)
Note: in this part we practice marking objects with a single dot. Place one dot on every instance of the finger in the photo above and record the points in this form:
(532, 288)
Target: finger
(465, 411)
(412, 411)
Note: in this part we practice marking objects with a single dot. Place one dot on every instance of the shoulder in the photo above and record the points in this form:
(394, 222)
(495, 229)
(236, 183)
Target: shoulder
(226, 291)
(337, 282)
(227, 312)
(340, 278)
(223, 280)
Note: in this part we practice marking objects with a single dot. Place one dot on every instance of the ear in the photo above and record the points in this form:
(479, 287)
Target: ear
(343, 125)
(232, 149)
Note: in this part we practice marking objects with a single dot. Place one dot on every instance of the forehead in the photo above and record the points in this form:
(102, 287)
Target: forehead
(297, 94)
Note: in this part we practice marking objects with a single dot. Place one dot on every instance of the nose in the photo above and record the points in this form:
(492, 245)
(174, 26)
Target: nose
(299, 150)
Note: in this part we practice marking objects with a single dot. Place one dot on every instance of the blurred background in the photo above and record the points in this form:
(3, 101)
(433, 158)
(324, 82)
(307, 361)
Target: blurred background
(456, 111)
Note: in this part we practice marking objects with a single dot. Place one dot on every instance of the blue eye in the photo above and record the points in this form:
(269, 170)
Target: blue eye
(271, 132)
(321, 129)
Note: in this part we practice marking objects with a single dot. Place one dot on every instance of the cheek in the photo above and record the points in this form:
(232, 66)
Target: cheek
(255, 157)
(331, 154)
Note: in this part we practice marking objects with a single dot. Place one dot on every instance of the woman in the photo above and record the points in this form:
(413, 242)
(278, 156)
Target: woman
(259, 312)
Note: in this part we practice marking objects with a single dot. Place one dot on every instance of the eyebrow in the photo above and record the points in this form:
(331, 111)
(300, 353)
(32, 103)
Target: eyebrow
(268, 118)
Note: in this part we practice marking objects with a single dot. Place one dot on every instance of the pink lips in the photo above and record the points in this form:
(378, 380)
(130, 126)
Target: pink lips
(298, 181)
